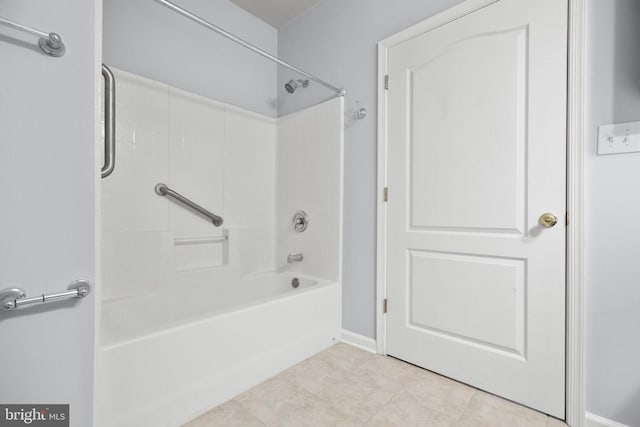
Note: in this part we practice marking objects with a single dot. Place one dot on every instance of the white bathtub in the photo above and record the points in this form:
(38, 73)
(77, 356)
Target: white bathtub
(170, 356)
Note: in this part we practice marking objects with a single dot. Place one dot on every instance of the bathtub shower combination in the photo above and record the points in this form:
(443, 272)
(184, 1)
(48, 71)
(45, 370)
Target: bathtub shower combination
(193, 314)
(221, 254)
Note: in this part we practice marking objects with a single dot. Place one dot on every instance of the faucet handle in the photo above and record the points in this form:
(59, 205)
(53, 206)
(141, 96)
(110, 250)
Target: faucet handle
(300, 221)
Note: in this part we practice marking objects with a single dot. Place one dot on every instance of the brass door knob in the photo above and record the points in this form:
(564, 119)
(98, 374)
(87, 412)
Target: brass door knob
(548, 220)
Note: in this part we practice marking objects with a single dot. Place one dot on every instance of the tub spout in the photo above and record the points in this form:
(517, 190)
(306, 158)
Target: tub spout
(294, 258)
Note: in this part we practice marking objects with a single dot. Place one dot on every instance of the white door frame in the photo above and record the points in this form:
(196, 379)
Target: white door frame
(575, 183)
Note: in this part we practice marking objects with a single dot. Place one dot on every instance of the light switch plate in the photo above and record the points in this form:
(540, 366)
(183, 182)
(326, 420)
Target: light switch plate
(619, 138)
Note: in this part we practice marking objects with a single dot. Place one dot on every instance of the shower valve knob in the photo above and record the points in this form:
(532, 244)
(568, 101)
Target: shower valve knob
(300, 221)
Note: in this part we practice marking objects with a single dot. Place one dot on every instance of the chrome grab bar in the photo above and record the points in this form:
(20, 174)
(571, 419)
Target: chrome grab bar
(163, 190)
(50, 43)
(13, 298)
(109, 122)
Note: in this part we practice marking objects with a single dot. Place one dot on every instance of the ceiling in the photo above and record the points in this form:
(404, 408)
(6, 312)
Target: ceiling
(275, 12)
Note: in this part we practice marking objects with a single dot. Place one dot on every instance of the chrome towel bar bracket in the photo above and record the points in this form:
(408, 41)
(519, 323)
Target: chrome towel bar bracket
(50, 43)
(13, 298)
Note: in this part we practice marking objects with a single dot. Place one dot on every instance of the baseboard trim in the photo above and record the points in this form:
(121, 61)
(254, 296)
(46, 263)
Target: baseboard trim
(593, 420)
(359, 341)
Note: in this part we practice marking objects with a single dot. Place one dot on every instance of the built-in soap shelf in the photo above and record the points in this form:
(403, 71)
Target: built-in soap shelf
(185, 241)
(193, 253)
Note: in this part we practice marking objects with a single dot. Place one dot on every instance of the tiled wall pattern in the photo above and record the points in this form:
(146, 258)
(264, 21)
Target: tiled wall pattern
(252, 170)
(220, 156)
(309, 156)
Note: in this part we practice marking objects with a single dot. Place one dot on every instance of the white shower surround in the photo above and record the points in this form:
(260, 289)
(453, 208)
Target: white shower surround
(166, 354)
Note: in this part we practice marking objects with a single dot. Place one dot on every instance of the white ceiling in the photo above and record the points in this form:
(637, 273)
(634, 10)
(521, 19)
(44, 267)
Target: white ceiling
(275, 12)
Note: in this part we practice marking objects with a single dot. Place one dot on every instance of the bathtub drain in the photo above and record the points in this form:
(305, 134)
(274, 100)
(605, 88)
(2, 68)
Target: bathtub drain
(295, 282)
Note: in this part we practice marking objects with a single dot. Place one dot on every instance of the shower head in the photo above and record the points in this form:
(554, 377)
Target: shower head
(292, 85)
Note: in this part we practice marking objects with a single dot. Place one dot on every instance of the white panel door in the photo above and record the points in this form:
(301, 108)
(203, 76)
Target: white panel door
(476, 113)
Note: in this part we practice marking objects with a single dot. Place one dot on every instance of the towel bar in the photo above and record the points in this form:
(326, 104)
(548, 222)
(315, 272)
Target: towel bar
(13, 298)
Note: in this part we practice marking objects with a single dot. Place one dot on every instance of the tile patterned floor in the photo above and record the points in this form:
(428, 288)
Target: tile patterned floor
(345, 386)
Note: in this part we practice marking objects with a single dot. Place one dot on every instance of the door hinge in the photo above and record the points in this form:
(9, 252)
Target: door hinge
(384, 306)
(386, 82)
(566, 218)
(386, 194)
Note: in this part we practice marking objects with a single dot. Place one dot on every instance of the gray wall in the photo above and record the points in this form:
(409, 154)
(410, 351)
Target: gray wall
(337, 41)
(612, 214)
(150, 40)
(49, 173)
